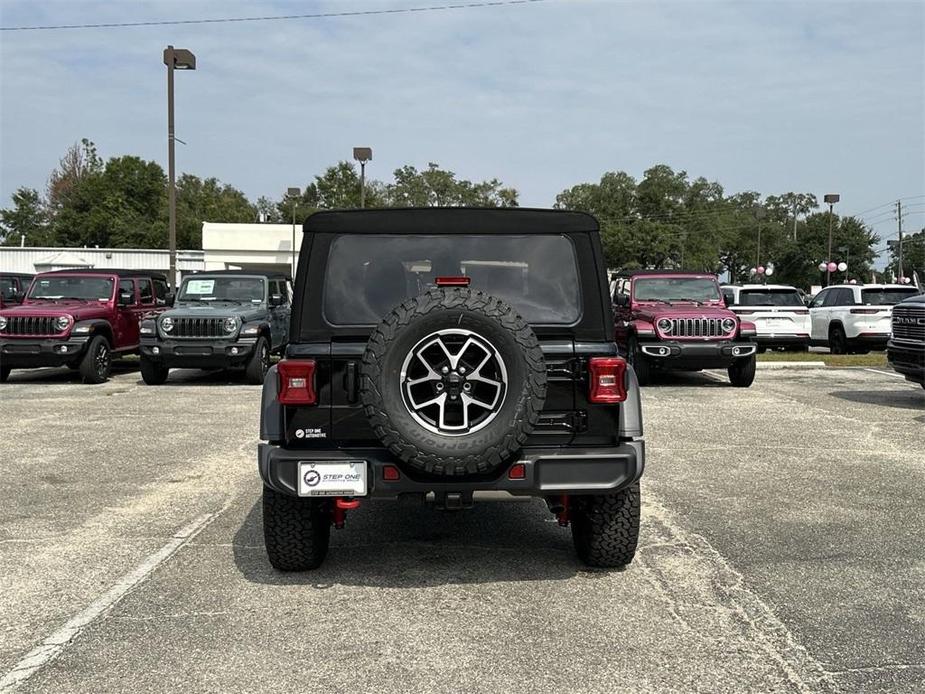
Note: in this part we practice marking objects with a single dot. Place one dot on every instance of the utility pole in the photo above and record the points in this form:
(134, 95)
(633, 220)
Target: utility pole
(899, 220)
(794, 220)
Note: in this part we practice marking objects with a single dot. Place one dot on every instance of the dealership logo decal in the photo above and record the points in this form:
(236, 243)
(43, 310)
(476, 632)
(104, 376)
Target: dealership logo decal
(310, 434)
(312, 478)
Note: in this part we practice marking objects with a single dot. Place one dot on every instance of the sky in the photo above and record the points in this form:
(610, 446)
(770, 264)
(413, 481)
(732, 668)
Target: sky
(814, 97)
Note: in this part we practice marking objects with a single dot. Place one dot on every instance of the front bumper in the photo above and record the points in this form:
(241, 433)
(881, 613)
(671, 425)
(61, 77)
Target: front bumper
(547, 472)
(907, 359)
(34, 352)
(198, 354)
(696, 355)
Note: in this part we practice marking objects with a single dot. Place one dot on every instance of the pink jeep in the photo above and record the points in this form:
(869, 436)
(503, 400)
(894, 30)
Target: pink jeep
(669, 320)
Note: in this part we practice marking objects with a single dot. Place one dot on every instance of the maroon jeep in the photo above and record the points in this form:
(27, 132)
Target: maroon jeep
(79, 319)
(678, 321)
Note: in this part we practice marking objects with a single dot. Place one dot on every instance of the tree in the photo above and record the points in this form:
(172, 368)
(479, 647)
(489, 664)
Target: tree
(28, 217)
(79, 163)
(207, 200)
(913, 255)
(436, 187)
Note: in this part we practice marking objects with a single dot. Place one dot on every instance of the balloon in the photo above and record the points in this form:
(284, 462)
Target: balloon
(842, 266)
(821, 267)
(752, 271)
(769, 271)
(853, 282)
(832, 267)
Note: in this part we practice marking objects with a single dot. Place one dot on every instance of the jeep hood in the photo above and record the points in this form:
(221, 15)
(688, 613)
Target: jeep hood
(244, 313)
(80, 310)
(653, 312)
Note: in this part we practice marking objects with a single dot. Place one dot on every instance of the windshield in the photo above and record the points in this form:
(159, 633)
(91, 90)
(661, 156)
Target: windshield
(886, 296)
(368, 275)
(72, 287)
(670, 289)
(7, 287)
(237, 289)
(770, 297)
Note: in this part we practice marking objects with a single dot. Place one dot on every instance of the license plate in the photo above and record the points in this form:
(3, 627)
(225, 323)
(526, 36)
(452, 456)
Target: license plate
(332, 478)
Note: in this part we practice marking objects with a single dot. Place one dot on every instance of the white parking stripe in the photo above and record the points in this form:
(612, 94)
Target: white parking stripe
(886, 373)
(52, 646)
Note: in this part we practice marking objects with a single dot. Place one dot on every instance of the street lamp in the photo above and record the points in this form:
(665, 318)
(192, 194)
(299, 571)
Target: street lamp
(294, 194)
(362, 155)
(174, 59)
(831, 199)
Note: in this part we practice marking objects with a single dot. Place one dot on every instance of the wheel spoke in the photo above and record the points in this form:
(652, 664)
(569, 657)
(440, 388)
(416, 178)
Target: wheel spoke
(469, 400)
(439, 400)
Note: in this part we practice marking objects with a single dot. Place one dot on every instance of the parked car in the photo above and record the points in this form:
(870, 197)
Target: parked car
(669, 320)
(781, 318)
(906, 348)
(80, 319)
(13, 287)
(855, 317)
(451, 355)
(224, 319)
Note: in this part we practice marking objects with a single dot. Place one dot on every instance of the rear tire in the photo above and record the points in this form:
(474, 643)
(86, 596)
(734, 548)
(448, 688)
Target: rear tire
(296, 531)
(259, 363)
(97, 362)
(153, 373)
(638, 362)
(742, 372)
(605, 529)
(838, 342)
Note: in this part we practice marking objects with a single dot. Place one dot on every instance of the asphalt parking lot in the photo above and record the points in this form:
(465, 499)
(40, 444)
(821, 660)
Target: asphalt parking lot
(781, 550)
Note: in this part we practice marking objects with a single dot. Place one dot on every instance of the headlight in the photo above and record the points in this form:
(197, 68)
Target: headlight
(251, 330)
(2, 322)
(664, 324)
(166, 324)
(230, 325)
(729, 324)
(61, 323)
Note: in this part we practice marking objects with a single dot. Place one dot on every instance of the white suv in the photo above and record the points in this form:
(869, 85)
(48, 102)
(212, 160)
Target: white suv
(855, 317)
(778, 312)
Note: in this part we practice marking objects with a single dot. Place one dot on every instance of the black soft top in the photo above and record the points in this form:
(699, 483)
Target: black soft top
(269, 274)
(157, 274)
(450, 220)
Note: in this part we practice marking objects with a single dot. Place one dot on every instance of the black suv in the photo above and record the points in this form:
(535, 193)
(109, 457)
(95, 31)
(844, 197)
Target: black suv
(906, 348)
(222, 319)
(451, 355)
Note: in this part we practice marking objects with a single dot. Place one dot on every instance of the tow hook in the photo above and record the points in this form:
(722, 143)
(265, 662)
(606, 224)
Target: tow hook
(563, 513)
(341, 506)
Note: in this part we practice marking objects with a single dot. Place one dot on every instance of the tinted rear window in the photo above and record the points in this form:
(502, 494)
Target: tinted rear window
(770, 297)
(886, 297)
(368, 275)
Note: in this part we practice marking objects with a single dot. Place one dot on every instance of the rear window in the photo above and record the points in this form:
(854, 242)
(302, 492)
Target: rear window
(368, 275)
(886, 297)
(770, 297)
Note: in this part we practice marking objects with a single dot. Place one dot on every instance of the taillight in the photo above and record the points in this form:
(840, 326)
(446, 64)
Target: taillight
(607, 380)
(297, 382)
(866, 311)
(459, 281)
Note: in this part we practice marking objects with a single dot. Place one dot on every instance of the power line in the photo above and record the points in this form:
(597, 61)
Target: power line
(273, 18)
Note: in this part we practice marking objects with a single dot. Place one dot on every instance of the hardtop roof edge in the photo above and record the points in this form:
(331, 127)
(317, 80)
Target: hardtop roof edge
(269, 274)
(450, 220)
(160, 274)
(634, 273)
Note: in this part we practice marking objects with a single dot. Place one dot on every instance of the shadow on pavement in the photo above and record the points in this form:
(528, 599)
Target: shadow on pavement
(907, 399)
(673, 379)
(63, 374)
(198, 377)
(393, 545)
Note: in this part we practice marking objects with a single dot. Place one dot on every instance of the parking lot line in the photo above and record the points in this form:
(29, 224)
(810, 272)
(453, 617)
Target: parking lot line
(56, 642)
(885, 373)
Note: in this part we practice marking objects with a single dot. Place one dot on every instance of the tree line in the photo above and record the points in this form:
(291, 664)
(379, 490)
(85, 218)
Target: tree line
(665, 219)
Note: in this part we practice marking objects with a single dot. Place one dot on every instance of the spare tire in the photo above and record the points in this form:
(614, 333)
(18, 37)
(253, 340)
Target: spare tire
(453, 382)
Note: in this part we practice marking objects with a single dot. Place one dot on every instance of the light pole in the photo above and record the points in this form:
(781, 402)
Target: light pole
(362, 155)
(759, 214)
(174, 59)
(294, 194)
(831, 199)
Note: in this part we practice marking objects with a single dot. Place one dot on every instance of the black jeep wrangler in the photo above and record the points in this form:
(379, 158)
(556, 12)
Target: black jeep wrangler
(451, 355)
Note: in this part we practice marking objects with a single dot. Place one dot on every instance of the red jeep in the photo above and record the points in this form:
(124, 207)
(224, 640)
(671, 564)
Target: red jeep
(679, 321)
(79, 319)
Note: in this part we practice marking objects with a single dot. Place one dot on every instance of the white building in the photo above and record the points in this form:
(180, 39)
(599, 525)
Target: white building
(224, 247)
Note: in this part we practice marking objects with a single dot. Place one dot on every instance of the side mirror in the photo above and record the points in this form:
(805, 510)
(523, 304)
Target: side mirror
(276, 300)
(622, 300)
(170, 298)
(126, 299)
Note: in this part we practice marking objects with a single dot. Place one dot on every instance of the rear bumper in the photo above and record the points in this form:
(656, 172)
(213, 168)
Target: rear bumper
(547, 472)
(198, 354)
(782, 340)
(31, 353)
(873, 340)
(696, 355)
(907, 359)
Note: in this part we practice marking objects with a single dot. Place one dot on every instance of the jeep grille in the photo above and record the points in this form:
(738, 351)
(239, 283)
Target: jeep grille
(199, 327)
(31, 325)
(697, 327)
(909, 323)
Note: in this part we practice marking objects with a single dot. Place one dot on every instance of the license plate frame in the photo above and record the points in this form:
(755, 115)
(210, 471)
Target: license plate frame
(329, 478)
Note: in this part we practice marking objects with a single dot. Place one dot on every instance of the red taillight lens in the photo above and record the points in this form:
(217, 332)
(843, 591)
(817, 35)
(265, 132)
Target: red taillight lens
(297, 382)
(461, 281)
(607, 383)
(518, 471)
(390, 473)
(865, 311)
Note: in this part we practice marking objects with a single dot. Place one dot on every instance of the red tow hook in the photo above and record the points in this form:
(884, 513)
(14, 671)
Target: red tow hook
(341, 506)
(563, 514)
